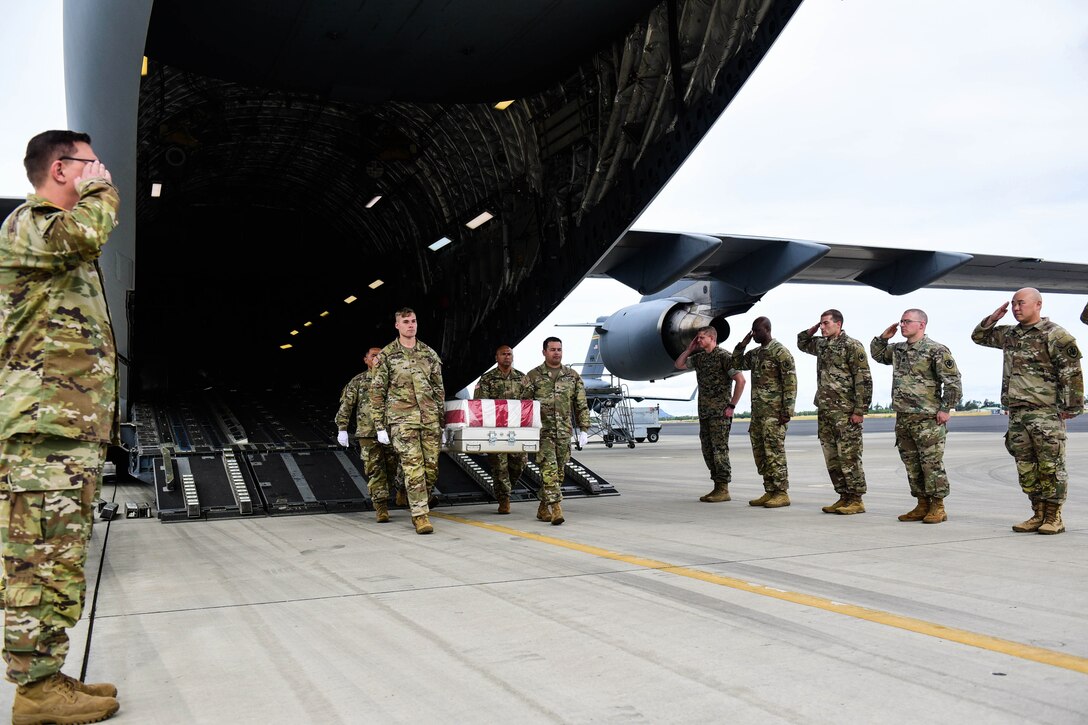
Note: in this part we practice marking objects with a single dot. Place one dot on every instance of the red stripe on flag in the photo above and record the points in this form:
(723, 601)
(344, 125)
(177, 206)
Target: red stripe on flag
(455, 416)
(526, 414)
(476, 413)
(502, 414)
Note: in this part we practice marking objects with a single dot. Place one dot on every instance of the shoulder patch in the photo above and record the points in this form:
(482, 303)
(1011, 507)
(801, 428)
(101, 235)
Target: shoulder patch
(949, 363)
(1072, 351)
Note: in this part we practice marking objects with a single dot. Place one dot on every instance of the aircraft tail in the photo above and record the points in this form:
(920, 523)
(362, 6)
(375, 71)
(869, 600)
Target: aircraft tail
(593, 367)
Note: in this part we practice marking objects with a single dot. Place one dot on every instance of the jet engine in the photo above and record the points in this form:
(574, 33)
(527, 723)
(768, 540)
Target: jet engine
(642, 342)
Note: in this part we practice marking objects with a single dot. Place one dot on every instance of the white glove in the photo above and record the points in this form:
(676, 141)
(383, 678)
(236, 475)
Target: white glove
(383, 437)
(447, 436)
(342, 438)
(583, 438)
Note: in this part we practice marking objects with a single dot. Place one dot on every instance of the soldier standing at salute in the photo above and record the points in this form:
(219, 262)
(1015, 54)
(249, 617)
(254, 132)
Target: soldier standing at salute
(718, 398)
(1042, 385)
(562, 395)
(844, 390)
(774, 392)
(379, 462)
(503, 383)
(58, 412)
(925, 389)
(407, 401)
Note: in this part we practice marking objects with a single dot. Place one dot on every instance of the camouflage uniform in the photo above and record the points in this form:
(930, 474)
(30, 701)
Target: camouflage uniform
(379, 462)
(562, 396)
(844, 386)
(58, 411)
(925, 381)
(1041, 378)
(407, 399)
(506, 468)
(774, 393)
(714, 376)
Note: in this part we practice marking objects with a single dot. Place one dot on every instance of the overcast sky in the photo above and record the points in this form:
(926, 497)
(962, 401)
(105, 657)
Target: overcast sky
(920, 123)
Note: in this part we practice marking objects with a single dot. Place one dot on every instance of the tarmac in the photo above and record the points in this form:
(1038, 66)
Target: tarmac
(648, 607)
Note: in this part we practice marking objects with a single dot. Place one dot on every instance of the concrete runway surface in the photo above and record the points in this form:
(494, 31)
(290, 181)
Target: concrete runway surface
(647, 607)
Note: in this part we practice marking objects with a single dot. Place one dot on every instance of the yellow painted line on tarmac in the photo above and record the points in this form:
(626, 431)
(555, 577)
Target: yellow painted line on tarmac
(910, 624)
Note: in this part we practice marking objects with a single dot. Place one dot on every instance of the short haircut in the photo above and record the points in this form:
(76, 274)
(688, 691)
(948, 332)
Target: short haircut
(921, 315)
(709, 332)
(47, 147)
(550, 339)
(835, 315)
(505, 345)
(403, 312)
(761, 321)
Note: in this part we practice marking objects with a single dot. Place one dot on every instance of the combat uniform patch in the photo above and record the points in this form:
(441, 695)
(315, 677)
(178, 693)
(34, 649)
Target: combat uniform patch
(1072, 352)
(949, 363)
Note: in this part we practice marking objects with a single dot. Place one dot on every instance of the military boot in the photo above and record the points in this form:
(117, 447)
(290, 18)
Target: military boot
(542, 512)
(504, 504)
(762, 499)
(422, 524)
(853, 505)
(1052, 519)
(1036, 520)
(720, 493)
(557, 514)
(778, 500)
(98, 689)
(402, 498)
(918, 512)
(56, 699)
(381, 512)
(936, 513)
(843, 498)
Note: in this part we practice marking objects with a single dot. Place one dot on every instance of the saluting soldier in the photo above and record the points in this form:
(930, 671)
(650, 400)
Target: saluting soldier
(926, 388)
(58, 412)
(774, 393)
(844, 390)
(562, 396)
(720, 387)
(503, 382)
(407, 400)
(1042, 385)
(379, 462)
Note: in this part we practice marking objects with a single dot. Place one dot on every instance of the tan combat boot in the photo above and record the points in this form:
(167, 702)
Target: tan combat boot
(843, 499)
(422, 524)
(720, 493)
(542, 512)
(918, 512)
(1036, 520)
(1052, 519)
(853, 505)
(762, 499)
(55, 699)
(381, 512)
(402, 498)
(98, 689)
(504, 504)
(778, 500)
(936, 513)
(557, 514)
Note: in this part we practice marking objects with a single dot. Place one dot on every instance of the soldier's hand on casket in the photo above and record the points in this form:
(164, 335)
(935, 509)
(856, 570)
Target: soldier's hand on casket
(383, 437)
(342, 438)
(583, 439)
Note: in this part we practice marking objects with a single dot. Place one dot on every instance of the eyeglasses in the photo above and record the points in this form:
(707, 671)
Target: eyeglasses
(908, 322)
(76, 158)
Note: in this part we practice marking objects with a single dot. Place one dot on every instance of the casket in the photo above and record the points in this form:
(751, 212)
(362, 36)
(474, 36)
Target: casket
(493, 426)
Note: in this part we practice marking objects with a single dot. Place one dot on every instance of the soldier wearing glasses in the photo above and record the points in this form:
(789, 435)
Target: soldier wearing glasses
(925, 389)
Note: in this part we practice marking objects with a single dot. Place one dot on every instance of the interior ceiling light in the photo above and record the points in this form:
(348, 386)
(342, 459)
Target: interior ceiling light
(307, 324)
(503, 105)
(350, 298)
(478, 221)
(294, 332)
(324, 314)
(143, 67)
(375, 200)
(376, 284)
(288, 346)
(156, 189)
(440, 243)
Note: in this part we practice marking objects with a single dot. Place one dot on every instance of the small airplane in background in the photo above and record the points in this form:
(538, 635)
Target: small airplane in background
(692, 281)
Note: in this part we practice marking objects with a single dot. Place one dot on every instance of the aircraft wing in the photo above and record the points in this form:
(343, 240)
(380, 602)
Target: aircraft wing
(650, 261)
